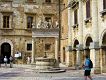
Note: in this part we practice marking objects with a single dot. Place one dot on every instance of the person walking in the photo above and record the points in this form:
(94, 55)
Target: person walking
(87, 68)
(5, 61)
(11, 61)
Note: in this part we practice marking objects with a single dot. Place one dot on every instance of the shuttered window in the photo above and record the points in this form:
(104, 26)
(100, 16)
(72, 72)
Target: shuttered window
(88, 9)
(104, 4)
(29, 21)
(75, 17)
(6, 21)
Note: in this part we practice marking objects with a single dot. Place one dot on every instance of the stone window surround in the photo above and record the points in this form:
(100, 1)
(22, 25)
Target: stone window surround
(29, 22)
(34, 19)
(10, 19)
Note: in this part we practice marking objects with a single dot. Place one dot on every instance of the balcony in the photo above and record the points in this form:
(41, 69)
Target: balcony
(44, 30)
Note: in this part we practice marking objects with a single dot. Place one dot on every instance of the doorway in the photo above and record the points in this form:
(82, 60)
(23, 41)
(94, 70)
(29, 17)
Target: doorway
(5, 51)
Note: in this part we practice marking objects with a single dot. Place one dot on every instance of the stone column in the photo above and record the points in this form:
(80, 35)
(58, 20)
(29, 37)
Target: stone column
(95, 56)
(94, 46)
(73, 56)
(78, 59)
(56, 49)
(68, 51)
(33, 51)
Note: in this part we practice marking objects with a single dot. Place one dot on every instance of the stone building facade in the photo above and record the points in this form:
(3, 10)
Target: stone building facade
(64, 32)
(87, 30)
(17, 18)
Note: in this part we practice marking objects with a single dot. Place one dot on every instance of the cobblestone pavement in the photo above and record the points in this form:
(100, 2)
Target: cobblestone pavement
(25, 72)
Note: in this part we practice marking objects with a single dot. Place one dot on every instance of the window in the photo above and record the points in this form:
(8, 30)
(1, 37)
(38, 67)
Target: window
(48, 19)
(29, 21)
(104, 4)
(88, 9)
(29, 47)
(6, 21)
(48, 1)
(75, 17)
(47, 47)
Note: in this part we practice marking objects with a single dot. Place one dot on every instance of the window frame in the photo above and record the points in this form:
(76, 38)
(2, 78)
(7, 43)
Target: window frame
(30, 47)
(10, 21)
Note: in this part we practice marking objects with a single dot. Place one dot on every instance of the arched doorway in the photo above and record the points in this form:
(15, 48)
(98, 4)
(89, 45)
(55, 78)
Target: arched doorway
(104, 53)
(87, 50)
(76, 42)
(5, 50)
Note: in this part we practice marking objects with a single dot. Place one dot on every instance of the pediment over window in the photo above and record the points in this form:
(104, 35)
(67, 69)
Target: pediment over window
(74, 4)
(103, 12)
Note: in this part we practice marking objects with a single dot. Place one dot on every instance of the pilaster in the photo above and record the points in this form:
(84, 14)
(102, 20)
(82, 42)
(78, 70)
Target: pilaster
(69, 24)
(79, 53)
(33, 51)
(95, 56)
(69, 56)
(95, 20)
(80, 21)
(56, 50)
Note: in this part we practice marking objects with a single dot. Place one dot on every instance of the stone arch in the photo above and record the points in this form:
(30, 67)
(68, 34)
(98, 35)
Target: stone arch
(75, 43)
(74, 54)
(101, 37)
(9, 42)
(85, 40)
(103, 51)
(87, 45)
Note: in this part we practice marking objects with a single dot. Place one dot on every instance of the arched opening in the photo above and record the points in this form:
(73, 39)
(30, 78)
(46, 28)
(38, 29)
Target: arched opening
(87, 50)
(75, 52)
(104, 53)
(5, 51)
